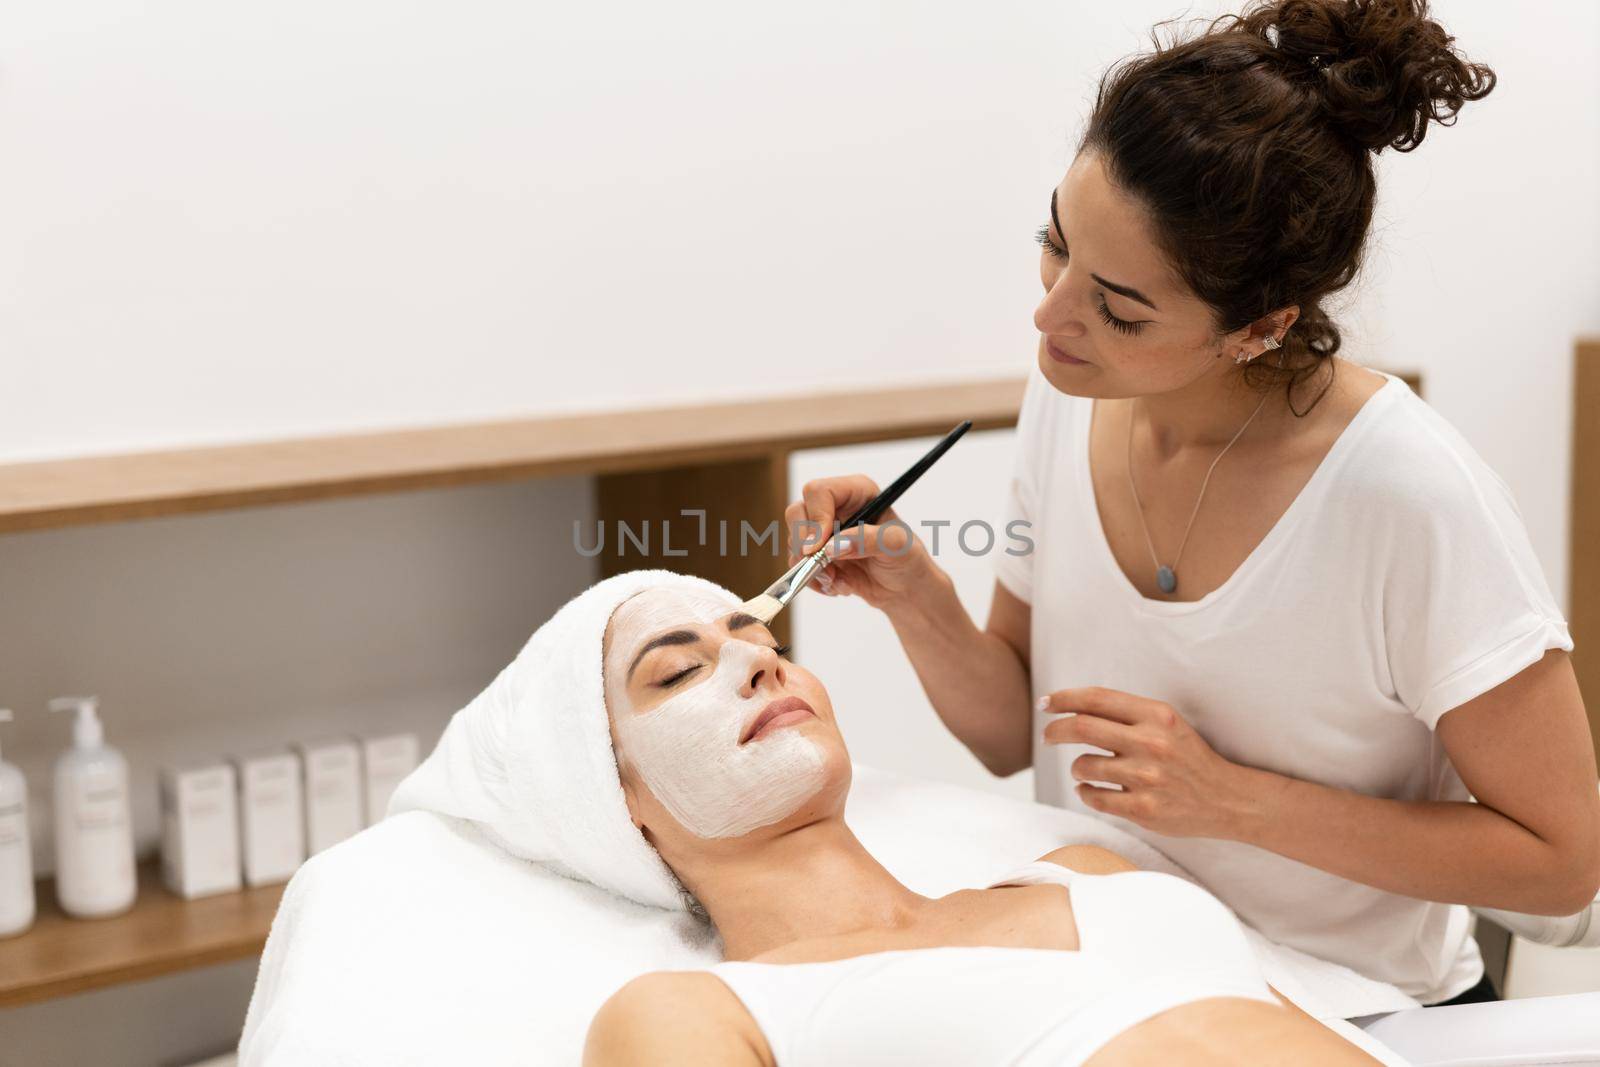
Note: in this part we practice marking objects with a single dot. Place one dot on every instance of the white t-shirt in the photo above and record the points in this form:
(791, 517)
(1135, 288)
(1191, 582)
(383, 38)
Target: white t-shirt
(1398, 585)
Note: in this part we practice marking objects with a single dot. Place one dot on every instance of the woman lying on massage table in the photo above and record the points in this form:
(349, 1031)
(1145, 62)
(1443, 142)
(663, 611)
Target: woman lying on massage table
(734, 769)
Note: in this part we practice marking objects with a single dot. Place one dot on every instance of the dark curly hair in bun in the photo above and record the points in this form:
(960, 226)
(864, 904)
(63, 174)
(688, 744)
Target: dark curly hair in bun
(1251, 146)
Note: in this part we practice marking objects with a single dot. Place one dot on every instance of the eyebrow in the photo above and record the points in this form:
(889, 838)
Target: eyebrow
(736, 621)
(675, 637)
(1121, 290)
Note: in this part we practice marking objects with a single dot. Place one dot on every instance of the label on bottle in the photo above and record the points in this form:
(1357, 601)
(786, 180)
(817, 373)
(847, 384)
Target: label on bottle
(101, 802)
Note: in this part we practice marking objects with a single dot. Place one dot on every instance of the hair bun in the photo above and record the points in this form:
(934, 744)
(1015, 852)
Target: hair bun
(1387, 69)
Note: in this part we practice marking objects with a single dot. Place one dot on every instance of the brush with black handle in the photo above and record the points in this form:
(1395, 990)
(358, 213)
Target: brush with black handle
(778, 595)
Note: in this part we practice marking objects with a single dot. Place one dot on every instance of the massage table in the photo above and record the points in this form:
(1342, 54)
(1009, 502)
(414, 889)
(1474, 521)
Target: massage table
(418, 941)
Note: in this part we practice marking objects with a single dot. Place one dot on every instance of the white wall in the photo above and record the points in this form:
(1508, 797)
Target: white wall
(236, 222)
(1485, 259)
(222, 222)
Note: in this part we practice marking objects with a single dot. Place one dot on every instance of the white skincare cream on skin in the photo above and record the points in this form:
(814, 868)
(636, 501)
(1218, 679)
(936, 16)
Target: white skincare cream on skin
(686, 748)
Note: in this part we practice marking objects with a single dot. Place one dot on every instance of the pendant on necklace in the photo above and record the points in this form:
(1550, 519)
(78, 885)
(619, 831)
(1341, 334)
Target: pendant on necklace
(1166, 579)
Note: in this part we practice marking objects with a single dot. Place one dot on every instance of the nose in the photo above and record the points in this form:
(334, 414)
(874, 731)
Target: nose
(1057, 314)
(763, 671)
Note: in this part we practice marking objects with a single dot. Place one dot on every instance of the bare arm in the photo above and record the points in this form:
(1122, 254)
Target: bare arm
(976, 679)
(1530, 844)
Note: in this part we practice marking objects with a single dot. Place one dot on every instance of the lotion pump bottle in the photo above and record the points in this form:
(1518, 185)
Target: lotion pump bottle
(16, 856)
(94, 827)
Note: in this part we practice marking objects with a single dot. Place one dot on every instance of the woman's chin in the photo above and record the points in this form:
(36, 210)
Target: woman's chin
(1091, 381)
(825, 802)
(829, 798)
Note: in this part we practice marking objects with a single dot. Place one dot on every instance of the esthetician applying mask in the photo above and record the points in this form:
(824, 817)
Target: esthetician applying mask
(1279, 617)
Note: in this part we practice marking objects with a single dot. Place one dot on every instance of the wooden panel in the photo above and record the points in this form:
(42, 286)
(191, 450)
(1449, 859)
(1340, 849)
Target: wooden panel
(163, 933)
(109, 488)
(1583, 612)
(651, 503)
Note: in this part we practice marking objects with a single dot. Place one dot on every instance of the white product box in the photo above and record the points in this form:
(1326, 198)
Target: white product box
(333, 792)
(387, 760)
(271, 816)
(199, 829)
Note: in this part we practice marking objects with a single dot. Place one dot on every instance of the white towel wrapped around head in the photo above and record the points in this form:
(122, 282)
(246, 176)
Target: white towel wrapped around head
(530, 761)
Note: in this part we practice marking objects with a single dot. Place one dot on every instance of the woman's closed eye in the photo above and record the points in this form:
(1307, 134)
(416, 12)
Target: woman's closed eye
(674, 679)
(1050, 247)
(668, 683)
(1120, 325)
(1127, 326)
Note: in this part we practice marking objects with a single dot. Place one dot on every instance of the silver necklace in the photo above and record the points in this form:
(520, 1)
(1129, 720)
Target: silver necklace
(1167, 577)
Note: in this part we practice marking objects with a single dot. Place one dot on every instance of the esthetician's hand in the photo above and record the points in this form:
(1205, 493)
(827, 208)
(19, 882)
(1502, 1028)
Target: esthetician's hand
(1172, 782)
(879, 563)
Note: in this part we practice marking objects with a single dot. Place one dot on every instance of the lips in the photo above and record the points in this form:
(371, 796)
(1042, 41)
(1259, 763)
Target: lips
(786, 709)
(1060, 356)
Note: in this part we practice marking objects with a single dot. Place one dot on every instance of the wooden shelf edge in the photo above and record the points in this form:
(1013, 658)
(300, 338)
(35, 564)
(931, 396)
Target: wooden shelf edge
(95, 489)
(1583, 541)
(154, 967)
(161, 934)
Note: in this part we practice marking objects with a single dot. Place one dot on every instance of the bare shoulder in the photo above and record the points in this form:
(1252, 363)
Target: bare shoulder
(671, 1018)
(1089, 859)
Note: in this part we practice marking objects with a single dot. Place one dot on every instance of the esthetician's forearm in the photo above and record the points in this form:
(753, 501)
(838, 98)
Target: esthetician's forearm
(975, 681)
(1456, 852)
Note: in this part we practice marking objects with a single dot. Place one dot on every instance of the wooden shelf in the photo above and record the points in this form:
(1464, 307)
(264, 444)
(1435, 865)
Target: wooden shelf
(52, 493)
(162, 933)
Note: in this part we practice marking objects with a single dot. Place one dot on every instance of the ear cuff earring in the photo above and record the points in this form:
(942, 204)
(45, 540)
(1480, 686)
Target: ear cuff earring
(1269, 342)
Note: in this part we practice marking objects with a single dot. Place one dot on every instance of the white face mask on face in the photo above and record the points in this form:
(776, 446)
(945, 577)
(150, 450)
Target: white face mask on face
(686, 749)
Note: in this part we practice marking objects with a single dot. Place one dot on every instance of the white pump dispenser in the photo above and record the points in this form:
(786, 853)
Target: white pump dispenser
(94, 827)
(16, 855)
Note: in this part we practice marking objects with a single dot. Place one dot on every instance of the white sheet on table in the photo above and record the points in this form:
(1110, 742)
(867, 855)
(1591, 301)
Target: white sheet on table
(418, 942)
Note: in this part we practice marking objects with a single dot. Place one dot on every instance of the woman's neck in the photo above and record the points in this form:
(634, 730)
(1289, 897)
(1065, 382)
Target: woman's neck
(1207, 413)
(815, 881)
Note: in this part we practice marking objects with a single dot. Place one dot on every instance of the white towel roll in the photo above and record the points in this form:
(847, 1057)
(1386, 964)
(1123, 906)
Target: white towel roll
(530, 759)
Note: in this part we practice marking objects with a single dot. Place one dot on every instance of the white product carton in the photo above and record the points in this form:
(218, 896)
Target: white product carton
(199, 829)
(271, 816)
(333, 791)
(387, 760)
